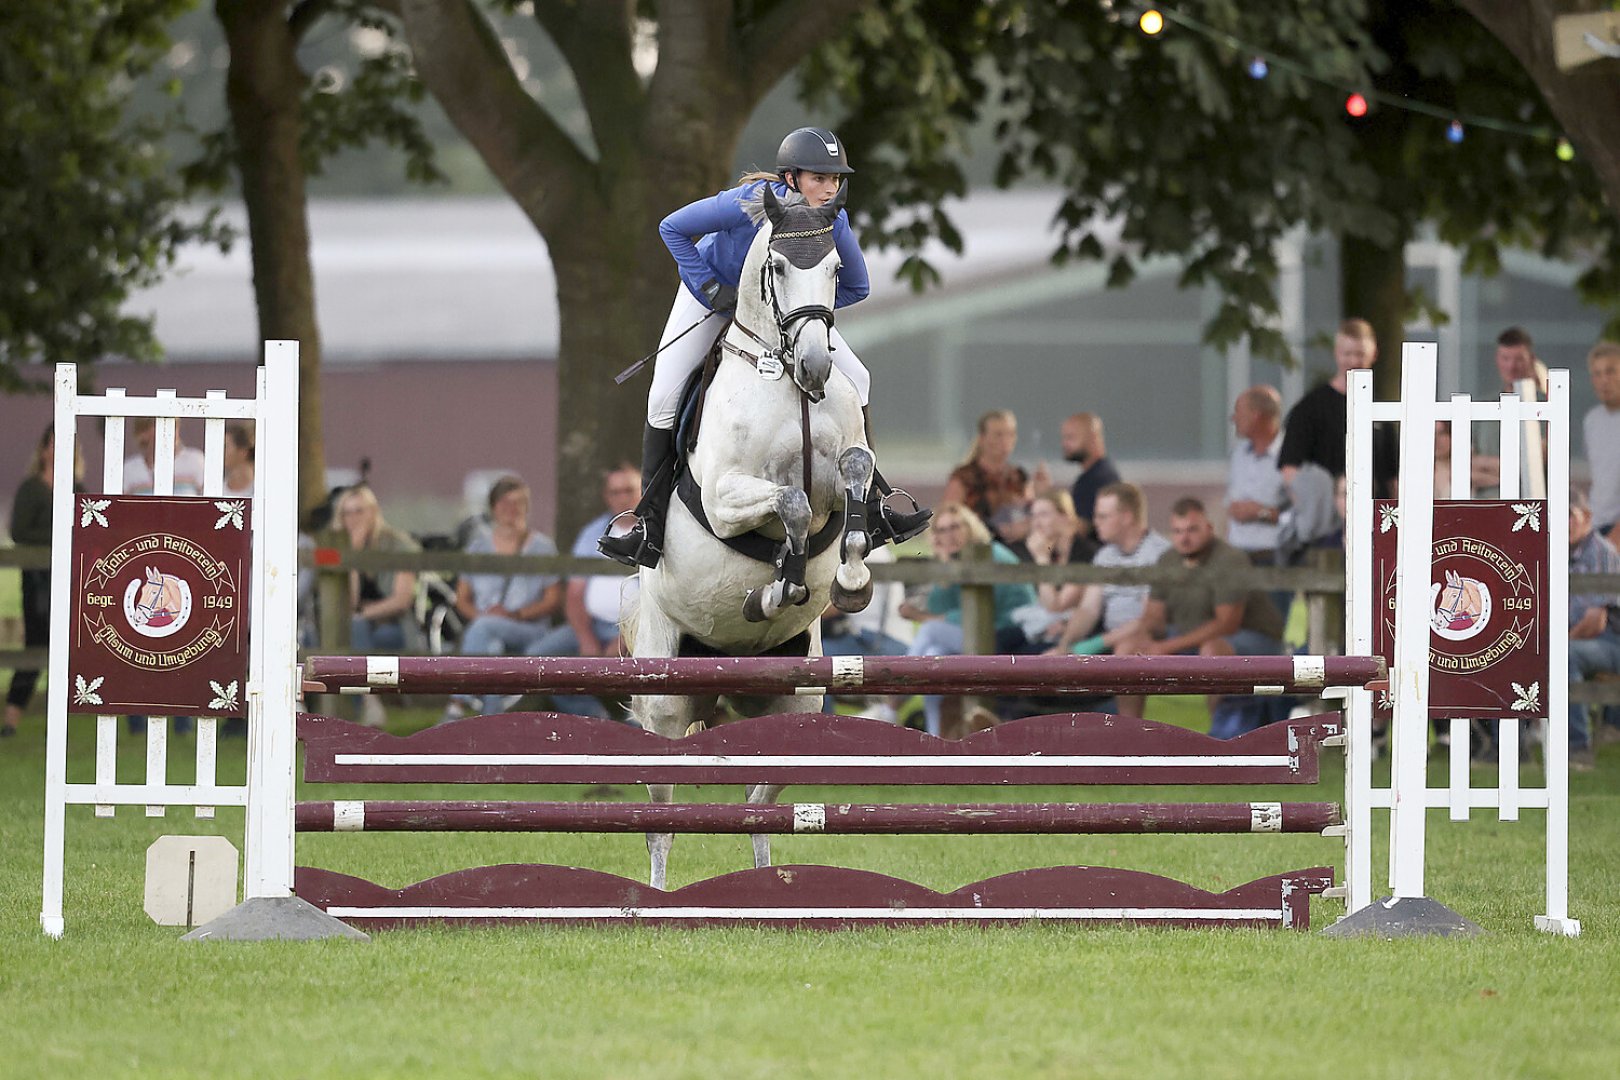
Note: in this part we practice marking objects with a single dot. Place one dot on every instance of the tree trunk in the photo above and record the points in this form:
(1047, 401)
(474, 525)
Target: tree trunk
(1372, 286)
(1585, 99)
(263, 91)
(613, 294)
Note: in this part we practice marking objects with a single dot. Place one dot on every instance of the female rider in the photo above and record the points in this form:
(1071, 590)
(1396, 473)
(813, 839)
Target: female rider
(710, 239)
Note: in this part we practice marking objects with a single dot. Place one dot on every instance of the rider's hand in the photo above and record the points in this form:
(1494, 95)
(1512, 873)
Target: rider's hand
(721, 298)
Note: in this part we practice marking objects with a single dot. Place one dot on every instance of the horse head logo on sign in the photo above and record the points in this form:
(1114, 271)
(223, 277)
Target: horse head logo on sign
(1461, 607)
(157, 604)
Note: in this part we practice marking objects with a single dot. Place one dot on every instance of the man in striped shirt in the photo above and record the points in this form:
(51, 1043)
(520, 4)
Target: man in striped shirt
(1594, 622)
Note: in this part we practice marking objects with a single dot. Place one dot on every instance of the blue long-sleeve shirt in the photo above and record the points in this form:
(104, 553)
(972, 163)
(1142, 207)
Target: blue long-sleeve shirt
(710, 238)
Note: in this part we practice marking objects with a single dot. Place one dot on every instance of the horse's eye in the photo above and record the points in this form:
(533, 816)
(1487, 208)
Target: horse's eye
(780, 267)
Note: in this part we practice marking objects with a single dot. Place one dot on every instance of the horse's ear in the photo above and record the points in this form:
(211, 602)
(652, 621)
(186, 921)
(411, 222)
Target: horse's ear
(837, 203)
(773, 209)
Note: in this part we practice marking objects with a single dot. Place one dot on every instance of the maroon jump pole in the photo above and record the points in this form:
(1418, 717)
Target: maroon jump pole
(978, 819)
(840, 674)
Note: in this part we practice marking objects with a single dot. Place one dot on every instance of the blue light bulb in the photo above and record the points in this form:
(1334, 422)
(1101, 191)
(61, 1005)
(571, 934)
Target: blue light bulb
(1454, 131)
(1258, 68)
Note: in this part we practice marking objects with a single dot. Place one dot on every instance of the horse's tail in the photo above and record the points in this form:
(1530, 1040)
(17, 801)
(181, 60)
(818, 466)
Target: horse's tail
(629, 617)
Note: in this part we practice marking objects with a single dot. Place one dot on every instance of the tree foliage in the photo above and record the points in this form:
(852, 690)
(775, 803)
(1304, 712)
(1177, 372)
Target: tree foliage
(89, 211)
(1167, 145)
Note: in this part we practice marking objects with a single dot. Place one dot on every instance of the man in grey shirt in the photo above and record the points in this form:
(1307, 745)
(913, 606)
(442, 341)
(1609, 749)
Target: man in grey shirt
(1254, 486)
(1121, 520)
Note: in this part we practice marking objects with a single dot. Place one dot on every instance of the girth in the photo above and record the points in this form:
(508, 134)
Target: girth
(754, 545)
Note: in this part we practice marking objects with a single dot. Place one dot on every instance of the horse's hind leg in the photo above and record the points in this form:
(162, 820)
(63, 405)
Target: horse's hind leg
(852, 585)
(670, 717)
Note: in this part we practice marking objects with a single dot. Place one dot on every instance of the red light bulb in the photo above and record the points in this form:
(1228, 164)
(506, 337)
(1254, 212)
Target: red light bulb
(1356, 105)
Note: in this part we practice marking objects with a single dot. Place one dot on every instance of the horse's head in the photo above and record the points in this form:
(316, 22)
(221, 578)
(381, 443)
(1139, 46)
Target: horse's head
(799, 280)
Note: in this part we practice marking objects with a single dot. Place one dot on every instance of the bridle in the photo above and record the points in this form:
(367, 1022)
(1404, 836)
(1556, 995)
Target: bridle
(790, 325)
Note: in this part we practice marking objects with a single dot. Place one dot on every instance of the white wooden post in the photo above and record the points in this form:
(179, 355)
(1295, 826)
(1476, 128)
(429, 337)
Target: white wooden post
(1555, 744)
(271, 694)
(66, 432)
(1359, 615)
(1409, 676)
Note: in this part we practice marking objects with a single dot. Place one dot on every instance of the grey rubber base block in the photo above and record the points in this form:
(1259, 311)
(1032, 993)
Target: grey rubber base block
(285, 918)
(1407, 916)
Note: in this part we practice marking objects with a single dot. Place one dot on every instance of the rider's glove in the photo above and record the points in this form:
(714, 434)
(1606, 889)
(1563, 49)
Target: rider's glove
(721, 298)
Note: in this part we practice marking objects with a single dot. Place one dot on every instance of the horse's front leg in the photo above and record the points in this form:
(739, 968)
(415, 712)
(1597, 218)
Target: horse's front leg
(762, 794)
(852, 585)
(741, 503)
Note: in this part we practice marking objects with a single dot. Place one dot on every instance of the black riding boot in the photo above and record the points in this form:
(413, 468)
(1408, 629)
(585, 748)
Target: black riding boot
(889, 526)
(644, 544)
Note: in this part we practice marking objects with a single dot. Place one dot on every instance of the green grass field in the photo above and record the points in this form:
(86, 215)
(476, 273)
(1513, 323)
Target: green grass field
(119, 996)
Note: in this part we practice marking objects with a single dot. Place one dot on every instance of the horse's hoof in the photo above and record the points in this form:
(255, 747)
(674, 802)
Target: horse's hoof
(851, 600)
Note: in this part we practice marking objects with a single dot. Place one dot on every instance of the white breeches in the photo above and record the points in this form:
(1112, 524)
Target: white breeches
(676, 363)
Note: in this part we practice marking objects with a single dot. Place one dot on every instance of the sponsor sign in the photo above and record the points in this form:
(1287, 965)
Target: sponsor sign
(1487, 596)
(160, 619)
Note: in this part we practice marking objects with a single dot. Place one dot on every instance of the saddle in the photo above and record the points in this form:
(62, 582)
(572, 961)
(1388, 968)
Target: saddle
(755, 545)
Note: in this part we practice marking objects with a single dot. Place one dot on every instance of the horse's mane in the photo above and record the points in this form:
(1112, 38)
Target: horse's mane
(753, 204)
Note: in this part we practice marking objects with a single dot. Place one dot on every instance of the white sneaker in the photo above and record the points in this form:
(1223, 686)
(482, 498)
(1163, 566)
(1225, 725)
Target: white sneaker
(455, 710)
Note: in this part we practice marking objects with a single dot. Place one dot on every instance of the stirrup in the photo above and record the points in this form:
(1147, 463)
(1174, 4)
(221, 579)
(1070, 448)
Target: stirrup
(894, 527)
(631, 549)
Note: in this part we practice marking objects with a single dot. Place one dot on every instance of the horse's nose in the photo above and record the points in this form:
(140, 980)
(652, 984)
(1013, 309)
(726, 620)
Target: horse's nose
(815, 365)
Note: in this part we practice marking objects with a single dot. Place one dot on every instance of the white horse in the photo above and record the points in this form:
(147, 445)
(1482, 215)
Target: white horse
(749, 464)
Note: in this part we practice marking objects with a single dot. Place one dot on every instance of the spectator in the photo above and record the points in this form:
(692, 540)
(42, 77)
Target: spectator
(1254, 487)
(1601, 430)
(1205, 615)
(1314, 433)
(1484, 471)
(1594, 622)
(1054, 540)
(955, 527)
(189, 464)
(380, 601)
(989, 484)
(506, 613)
(1516, 361)
(1083, 444)
(31, 526)
(1114, 610)
(592, 605)
(239, 459)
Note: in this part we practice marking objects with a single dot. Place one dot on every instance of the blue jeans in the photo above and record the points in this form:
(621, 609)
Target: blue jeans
(367, 637)
(563, 641)
(861, 643)
(936, 638)
(1588, 657)
(1235, 714)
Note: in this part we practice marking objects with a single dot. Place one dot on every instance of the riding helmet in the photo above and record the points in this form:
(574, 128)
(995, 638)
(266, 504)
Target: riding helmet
(812, 148)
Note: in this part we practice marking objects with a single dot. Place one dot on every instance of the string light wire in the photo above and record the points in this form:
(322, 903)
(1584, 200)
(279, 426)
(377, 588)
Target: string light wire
(1451, 117)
